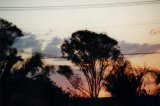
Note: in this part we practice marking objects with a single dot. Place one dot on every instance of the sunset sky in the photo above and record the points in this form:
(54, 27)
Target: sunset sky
(136, 27)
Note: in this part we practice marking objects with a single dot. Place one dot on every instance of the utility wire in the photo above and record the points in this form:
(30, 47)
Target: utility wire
(129, 54)
(138, 24)
(109, 26)
(125, 54)
(120, 4)
(142, 53)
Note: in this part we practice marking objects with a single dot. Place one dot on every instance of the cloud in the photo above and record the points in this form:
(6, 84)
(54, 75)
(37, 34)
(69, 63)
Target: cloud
(155, 31)
(29, 41)
(55, 41)
(127, 48)
(53, 48)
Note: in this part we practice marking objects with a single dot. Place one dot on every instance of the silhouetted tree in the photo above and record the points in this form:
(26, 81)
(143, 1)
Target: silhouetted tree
(65, 70)
(150, 83)
(31, 65)
(123, 80)
(74, 79)
(8, 55)
(32, 82)
(28, 85)
(91, 52)
(8, 34)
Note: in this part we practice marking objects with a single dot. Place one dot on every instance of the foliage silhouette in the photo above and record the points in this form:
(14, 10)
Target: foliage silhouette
(30, 84)
(74, 79)
(97, 56)
(31, 65)
(150, 78)
(127, 81)
(65, 70)
(8, 35)
(91, 52)
(8, 55)
(121, 81)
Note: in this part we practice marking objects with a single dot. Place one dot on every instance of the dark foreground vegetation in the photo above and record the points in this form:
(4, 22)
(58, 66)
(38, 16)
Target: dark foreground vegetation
(130, 101)
(26, 82)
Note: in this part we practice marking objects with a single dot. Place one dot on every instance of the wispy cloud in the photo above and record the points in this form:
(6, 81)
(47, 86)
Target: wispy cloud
(155, 31)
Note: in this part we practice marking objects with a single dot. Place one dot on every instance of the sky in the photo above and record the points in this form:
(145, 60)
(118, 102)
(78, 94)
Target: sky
(136, 27)
(122, 23)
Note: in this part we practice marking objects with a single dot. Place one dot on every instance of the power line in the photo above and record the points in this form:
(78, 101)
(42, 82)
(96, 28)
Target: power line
(142, 53)
(128, 54)
(120, 4)
(125, 54)
(108, 26)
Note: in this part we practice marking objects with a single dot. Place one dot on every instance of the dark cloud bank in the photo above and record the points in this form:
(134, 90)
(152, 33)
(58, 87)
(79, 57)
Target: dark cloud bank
(52, 49)
(28, 41)
(128, 48)
(31, 41)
